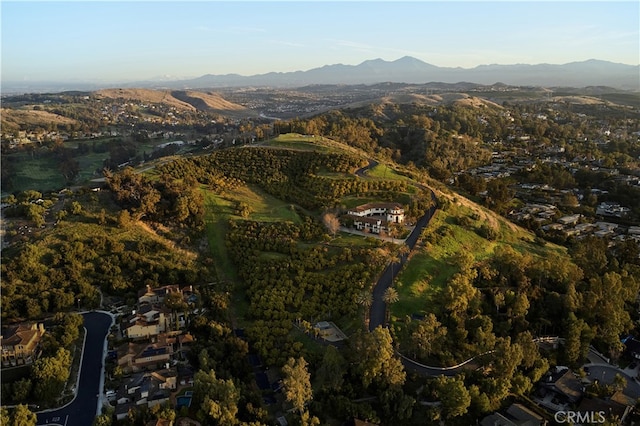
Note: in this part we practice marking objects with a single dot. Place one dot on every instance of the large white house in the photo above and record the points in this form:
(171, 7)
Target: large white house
(375, 217)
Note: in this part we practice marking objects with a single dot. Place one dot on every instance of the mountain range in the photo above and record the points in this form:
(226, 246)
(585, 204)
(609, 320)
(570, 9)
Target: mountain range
(404, 70)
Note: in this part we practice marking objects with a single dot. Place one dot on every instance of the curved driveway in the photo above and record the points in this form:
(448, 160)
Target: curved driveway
(378, 307)
(82, 410)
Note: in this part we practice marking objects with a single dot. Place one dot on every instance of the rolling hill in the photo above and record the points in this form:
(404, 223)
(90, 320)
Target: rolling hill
(184, 100)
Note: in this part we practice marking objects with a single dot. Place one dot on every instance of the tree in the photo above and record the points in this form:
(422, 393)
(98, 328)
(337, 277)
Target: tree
(124, 218)
(459, 293)
(22, 416)
(50, 375)
(390, 296)
(35, 212)
(307, 419)
(498, 193)
(164, 412)
(243, 209)
(619, 382)
(331, 222)
(331, 372)
(365, 299)
(590, 254)
(376, 358)
(506, 358)
(176, 303)
(453, 395)
(104, 419)
(5, 418)
(102, 217)
(296, 382)
(76, 208)
(427, 336)
(396, 406)
(219, 397)
(22, 390)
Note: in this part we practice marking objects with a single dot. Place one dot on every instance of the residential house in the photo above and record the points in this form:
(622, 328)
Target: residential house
(152, 355)
(559, 388)
(158, 398)
(516, 415)
(605, 229)
(612, 210)
(570, 220)
(148, 321)
(634, 230)
(166, 379)
(156, 295)
(184, 342)
(122, 410)
(20, 343)
(141, 356)
(617, 407)
(375, 217)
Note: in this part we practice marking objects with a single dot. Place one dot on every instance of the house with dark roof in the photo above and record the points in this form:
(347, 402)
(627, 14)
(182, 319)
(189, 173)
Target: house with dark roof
(617, 407)
(133, 357)
(516, 415)
(564, 383)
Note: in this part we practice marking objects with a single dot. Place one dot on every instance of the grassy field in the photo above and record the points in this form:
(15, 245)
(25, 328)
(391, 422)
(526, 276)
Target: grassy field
(353, 201)
(451, 233)
(301, 142)
(382, 171)
(264, 207)
(41, 174)
(344, 239)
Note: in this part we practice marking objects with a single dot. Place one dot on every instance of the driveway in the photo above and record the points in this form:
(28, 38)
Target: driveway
(377, 313)
(84, 407)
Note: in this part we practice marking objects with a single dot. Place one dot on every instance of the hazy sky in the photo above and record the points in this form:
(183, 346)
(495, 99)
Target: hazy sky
(125, 41)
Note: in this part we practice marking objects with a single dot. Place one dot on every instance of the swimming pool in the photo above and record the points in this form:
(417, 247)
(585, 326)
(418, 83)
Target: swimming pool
(183, 401)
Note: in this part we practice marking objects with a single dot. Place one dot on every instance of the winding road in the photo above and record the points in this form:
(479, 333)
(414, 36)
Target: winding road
(377, 313)
(82, 410)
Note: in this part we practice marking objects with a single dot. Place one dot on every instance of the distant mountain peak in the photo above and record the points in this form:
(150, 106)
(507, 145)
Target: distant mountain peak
(410, 70)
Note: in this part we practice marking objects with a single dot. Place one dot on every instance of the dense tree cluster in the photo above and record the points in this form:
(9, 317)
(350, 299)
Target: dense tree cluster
(443, 140)
(178, 202)
(287, 280)
(514, 292)
(497, 306)
(50, 276)
(293, 176)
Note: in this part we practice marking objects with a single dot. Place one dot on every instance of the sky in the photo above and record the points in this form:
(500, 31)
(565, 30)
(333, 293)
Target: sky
(120, 41)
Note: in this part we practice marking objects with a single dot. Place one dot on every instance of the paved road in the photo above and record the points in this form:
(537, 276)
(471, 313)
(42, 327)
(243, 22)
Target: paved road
(82, 410)
(377, 312)
(606, 373)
